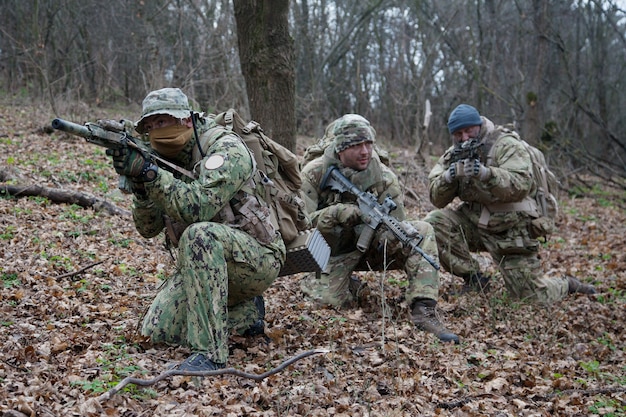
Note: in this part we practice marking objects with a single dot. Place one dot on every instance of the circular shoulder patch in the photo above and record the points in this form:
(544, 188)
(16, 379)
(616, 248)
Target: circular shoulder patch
(214, 162)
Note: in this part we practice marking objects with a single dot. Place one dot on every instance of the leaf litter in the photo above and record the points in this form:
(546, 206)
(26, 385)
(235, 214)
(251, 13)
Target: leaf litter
(75, 283)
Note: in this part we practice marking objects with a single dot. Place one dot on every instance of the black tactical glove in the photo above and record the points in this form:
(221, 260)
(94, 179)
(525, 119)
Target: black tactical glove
(451, 173)
(133, 164)
(389, 242)
(474, 168)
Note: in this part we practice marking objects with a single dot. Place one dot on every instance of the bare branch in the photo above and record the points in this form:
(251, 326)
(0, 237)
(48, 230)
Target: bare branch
(230, 371)
(63, 196)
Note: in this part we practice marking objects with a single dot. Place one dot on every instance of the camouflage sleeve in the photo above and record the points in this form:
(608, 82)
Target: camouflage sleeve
(440, 192)
(311, 177)
(222, 173)
(147, 217)
(511, 171)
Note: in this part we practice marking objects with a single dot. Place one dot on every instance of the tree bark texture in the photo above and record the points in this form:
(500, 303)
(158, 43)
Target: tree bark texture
(266, 53)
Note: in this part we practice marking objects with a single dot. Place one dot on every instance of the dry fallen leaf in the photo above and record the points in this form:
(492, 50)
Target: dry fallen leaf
(66, 338)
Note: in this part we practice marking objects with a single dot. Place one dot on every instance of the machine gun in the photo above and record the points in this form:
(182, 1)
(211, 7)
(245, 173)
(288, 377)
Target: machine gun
(375, 214)
(111, 134)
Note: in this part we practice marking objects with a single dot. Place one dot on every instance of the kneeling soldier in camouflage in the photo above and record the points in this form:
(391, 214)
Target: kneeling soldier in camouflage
(225, 259)
(338, 217)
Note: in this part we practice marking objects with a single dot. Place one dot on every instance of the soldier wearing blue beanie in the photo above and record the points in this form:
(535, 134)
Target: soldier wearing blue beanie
(498, 211)
(463, 116)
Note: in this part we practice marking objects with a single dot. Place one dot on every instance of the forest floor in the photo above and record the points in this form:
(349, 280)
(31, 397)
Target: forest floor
(75, 282)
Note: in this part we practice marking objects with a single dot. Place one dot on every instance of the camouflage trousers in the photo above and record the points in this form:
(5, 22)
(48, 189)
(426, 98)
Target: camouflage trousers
(332, 285)
(513, 249)
(218, 273)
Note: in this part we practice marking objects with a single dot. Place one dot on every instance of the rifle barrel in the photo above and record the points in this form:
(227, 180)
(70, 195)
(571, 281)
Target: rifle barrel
(70, 127)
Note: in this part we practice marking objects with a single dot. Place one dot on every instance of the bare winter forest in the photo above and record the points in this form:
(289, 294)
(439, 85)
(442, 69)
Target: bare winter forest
(76, 277)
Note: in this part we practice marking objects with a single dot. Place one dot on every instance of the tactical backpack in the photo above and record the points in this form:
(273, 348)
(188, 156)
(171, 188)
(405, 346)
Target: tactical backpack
(545, 196)
(546, 185)
(279, 171)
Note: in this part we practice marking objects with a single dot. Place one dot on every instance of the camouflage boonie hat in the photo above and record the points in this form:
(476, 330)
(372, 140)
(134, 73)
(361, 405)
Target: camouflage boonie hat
(350, 130)
(170, 101)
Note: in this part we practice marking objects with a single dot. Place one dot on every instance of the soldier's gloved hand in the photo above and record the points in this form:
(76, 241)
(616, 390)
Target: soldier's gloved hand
(388, 242)
(450, 173)
(474, 168)
(347, 215)
(409, 229)
(131, 163)
(344, 215)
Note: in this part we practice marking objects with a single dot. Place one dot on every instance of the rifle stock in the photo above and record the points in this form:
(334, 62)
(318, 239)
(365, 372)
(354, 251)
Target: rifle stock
(374, 214)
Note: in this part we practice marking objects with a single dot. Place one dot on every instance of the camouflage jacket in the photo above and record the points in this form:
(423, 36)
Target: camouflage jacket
(377, 179)
(511, 176)
(222, 173)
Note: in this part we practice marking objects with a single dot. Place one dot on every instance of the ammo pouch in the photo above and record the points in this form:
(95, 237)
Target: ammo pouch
(517, 246)
(542, 227)
(247, 214)
(254, 218)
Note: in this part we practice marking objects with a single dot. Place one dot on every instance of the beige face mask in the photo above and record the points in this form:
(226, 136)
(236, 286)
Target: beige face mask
(168, 141)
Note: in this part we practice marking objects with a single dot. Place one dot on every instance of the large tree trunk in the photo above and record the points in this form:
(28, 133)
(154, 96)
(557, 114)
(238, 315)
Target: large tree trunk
(266, 52)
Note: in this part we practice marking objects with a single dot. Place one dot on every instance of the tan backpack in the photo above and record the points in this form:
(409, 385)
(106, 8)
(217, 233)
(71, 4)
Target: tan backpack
(279, 182)
(546, 188)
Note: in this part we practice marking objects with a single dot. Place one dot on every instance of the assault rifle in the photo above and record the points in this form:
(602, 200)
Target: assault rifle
(375, 214)
(471, 149)
(111, 134)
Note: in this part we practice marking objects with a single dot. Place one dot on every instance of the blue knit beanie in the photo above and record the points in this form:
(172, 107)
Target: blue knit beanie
(463, 116)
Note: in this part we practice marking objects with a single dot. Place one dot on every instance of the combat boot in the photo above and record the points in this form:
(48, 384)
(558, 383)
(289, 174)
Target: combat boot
(424, 316)
(198, 362)
(577, 286)
(355, 286)
(476, 281)
(259, 326)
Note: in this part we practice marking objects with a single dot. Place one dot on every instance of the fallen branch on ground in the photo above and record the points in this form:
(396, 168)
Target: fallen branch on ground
(63, 196)
(231, 371)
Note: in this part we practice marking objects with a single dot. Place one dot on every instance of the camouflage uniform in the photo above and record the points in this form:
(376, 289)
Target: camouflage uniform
(505, 234)
(220, 268)
(332, 287)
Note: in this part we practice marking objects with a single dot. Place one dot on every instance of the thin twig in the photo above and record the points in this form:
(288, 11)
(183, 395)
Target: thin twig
(231, 371)
(80, 271)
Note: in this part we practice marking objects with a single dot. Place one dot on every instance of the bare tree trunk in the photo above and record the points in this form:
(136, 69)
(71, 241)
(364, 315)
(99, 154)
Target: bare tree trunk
(535, 101)
(266, 52)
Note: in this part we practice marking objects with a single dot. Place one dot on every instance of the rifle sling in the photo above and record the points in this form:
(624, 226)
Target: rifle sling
(175, 167)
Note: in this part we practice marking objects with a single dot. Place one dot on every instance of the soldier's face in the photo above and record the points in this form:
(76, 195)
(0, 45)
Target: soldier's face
(159, 121)
(466, 133)
(357, 157)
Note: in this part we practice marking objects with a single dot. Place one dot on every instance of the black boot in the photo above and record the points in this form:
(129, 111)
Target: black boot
(477, 282)
(577, 286)
(198, 362)
(259, 326)
(424, 316)
(355, 286)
